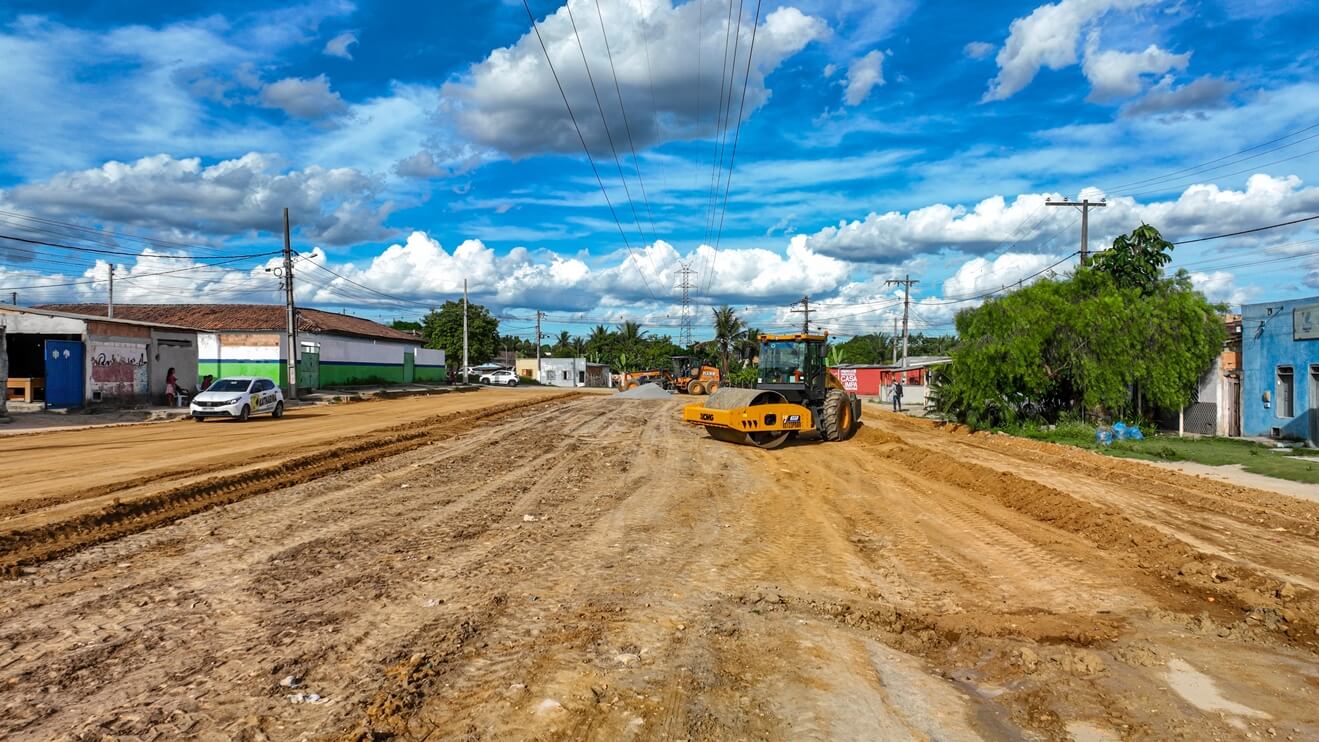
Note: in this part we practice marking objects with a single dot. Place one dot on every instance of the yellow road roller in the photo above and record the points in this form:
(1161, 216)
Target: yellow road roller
(794, 392)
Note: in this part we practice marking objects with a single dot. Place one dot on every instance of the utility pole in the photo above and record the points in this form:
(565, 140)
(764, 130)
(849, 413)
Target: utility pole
(895, 341)
(466, 370)
(805, 311)
(13, 298)
(906, 308)
(1084, 205)
(291, 312)
(685, 334)
(539, 316)
(109, 308)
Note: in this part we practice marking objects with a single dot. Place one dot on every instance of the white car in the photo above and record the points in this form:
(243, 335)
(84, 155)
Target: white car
(501, 376)
(238, 397)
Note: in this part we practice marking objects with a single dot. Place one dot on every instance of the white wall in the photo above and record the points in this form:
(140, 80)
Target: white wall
(117, 370)
(357, 350)
(553, 369)
(35, 324)
(429, 357)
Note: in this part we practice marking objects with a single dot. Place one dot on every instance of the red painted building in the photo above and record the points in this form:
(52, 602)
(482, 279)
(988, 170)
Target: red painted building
(876, 381)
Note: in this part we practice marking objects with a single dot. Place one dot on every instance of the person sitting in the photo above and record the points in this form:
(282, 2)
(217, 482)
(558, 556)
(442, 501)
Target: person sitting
(171, 387)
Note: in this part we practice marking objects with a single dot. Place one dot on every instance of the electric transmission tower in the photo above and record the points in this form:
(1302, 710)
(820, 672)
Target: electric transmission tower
(685, 334)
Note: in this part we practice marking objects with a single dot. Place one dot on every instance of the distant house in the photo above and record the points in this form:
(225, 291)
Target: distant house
(1280, 369)
(570, 372)
(876, 380)
(1216, 408)
(250, 340)
(71, 359)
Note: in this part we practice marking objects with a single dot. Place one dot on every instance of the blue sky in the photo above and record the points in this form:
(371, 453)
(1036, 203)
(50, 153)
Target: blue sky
(418, 146)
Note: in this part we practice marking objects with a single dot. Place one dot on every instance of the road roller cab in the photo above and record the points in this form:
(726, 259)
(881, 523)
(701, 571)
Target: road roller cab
(794, 392)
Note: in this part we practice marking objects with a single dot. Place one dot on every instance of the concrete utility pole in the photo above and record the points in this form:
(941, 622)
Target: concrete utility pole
(685, 334)
(1084, 205)
(291, 312)
(906, 307)
(109, 307)
(805, 311)
(895, 341)
(465, 368)
(539, 316)
(13, 298)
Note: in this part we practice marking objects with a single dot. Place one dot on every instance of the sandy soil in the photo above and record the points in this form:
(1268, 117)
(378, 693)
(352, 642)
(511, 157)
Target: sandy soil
(1236, 474)
(591, 568)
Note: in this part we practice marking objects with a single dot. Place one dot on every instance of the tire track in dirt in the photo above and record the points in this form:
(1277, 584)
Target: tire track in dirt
(27, 546)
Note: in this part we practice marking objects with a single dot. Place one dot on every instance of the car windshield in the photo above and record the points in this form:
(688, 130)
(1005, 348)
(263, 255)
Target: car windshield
(781, 361)
(230, 385)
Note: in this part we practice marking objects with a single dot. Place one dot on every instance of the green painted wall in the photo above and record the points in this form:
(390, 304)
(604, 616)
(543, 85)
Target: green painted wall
(339, 374)
(432, 373)
(274, 370)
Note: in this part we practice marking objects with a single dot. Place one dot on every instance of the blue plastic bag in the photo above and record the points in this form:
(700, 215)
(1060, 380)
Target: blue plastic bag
(1103, 437)
(1119, 431)
(1134, 434)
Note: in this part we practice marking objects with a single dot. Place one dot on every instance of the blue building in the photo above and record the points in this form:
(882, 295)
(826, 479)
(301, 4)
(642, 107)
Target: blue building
(1280, 369)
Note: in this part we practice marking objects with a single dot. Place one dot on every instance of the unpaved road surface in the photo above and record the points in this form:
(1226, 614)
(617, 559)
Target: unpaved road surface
(591, 568)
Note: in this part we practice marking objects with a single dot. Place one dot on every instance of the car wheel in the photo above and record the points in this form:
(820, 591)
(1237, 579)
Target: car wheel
(279, 411)
(512, 382)
(243, 413)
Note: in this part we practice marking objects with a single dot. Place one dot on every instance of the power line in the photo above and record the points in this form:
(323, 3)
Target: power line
(99, 251)
(587, 150)
(1247, 231)
(604, 122)
(130, 278)
(737, 135)
(1202, 165)
(636, 162)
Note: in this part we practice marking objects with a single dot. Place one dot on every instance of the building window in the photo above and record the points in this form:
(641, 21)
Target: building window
(1286, 392)
(581, 377)
(565, 375)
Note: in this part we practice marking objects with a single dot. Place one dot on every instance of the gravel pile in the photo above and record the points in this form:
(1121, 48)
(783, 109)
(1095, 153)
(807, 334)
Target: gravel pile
(646, 391)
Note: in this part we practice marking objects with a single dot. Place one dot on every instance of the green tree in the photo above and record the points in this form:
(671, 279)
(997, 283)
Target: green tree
(443, 329)
(835, 357)
(728, 331)
(1078, 347)
(403, 325)
(562, 345)
(599, 344)
(1136, 260)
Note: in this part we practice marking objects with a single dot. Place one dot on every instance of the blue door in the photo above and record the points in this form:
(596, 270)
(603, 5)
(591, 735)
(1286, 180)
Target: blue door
(64, 373)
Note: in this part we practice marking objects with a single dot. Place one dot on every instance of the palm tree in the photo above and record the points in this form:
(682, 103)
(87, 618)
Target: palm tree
(630, 333)
(728, 330)
(599, 341)
(564, 342)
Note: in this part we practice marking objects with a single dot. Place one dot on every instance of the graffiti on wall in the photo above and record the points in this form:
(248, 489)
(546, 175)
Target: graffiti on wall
(118, 369)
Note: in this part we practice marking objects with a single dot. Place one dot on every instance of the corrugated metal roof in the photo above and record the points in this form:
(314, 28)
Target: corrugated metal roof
(231, 317)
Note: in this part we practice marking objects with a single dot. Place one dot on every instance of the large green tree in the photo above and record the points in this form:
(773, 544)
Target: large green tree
(443, 329)
(1080, 346)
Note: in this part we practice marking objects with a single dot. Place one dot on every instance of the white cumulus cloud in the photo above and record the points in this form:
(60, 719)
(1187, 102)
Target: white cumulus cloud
(338, 46)
(511, 102)
(303, 98)
(863, 75)
(1048, 37)
(1116, 74)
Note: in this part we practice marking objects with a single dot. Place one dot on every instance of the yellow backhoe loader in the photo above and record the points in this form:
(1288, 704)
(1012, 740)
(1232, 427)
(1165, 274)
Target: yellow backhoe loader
(691, 376)
(794, 392)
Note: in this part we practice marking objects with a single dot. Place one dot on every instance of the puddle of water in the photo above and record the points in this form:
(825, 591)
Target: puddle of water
(1084, 731)
(1199, 689)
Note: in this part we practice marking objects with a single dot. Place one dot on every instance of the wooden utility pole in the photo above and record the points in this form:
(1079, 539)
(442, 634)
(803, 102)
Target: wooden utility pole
(805, 311)
(895, 341)
(109, 307)
(1084, 205)
(906, 307)
(291, 312)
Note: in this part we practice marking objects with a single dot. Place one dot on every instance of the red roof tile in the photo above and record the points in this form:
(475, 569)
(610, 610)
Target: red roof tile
(256, 317)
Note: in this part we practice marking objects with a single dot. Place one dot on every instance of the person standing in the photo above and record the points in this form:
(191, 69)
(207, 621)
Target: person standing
(897, 395)
(171, 387)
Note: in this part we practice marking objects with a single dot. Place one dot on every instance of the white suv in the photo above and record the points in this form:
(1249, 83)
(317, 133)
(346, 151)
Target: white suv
(501, 376)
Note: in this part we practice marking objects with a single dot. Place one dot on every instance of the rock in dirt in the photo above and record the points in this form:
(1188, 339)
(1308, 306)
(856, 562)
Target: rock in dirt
(291, 681)
(1026, 659)
(1286, 591)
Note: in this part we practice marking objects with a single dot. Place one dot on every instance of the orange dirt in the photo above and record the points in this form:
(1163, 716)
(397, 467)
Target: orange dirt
(592, 568)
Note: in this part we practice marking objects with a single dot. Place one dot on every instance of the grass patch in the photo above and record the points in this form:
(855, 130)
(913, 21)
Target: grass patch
(1252, 456)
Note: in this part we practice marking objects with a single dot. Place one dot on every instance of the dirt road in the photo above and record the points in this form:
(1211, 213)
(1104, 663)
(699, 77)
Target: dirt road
(593, 569)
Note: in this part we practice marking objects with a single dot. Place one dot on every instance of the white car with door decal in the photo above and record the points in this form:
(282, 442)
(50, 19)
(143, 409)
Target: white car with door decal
(238, 397)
